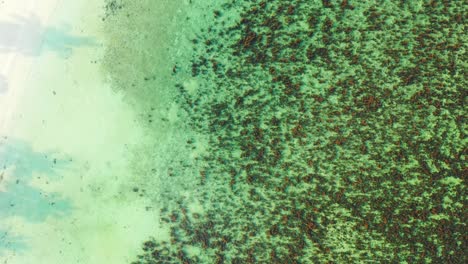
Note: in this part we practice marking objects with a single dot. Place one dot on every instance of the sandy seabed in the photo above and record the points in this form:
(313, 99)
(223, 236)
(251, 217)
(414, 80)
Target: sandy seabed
(65, 140)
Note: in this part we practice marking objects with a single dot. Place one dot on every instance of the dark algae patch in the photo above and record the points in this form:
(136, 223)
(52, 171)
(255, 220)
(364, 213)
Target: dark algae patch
(335, 133)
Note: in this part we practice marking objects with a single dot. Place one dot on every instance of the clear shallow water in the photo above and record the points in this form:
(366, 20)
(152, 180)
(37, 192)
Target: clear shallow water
(65, 146)
(240, 132)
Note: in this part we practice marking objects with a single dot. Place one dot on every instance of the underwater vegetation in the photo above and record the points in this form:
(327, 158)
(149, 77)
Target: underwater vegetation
(336, 134)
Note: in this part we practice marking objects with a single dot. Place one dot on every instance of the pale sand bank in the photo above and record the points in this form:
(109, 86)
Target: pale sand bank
(68, 109)
(15, 31)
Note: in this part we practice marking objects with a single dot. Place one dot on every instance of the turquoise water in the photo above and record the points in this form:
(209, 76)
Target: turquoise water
(246, 132)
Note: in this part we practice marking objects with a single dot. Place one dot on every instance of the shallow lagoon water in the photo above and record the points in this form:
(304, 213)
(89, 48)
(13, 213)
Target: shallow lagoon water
(65, 148)
(234, 132)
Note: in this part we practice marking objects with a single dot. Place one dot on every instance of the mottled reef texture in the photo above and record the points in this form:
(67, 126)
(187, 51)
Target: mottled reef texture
(337, 135)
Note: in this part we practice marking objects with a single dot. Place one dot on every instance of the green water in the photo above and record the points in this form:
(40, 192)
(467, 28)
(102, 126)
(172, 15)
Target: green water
(297, 131)
(229, 131)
